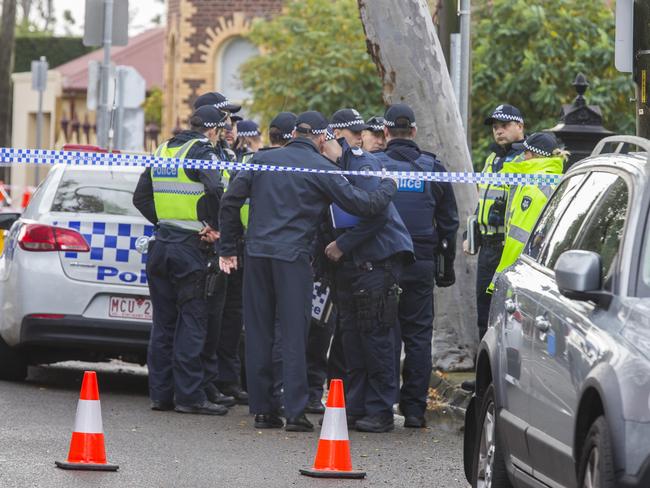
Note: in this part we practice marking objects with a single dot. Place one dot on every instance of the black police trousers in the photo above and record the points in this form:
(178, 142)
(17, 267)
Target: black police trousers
(275, 289)
(371, 381)
(231, 330)
(177, 356)
(416, 332)
(489, 256)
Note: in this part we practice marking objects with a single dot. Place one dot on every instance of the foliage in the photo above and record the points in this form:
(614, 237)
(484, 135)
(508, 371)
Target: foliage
(528, 53)
(36, 18)
(153, 107)
(57, 50)
(314, 58)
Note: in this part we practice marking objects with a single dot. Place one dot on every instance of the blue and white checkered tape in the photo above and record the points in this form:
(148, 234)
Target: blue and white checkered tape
(47, 157)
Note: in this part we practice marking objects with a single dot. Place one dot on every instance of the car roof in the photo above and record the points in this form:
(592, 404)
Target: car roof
(124, 169)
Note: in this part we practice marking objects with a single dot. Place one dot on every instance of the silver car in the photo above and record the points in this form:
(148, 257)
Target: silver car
(563, 374)
(72, 281)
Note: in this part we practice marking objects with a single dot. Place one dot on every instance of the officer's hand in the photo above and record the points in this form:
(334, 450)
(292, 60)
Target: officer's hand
(208, 234)
(333, 252)
(466, 247)
(386, 176)
(227, 263)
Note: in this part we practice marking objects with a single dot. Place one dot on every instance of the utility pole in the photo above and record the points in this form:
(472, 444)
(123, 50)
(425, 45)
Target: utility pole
(464, 12)
(642, 65)
(103, 129)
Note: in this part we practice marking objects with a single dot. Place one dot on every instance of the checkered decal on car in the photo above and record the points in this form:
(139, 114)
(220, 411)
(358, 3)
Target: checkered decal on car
(109, 241)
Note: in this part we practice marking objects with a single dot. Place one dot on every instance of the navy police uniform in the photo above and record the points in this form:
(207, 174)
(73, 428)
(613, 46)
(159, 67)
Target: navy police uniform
(177, 270)
(284, 213)
(431, 217)
(374, 252)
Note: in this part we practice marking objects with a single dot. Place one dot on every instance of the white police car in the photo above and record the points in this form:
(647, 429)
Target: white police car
(72, 281)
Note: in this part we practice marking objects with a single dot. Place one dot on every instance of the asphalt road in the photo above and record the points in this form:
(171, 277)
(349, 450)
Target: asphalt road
(167, 449)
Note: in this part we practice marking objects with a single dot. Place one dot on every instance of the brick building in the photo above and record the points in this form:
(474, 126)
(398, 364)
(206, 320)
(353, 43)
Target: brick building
(205, 46)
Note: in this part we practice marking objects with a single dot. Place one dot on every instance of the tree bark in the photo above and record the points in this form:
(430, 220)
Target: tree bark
(402, 41)
(7, 32)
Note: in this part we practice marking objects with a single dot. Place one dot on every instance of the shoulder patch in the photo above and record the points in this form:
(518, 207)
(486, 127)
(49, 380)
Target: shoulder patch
(525, 203)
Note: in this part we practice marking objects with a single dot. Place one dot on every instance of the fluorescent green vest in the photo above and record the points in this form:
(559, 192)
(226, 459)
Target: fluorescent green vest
(244, 211)
(176, 196)
(488, 193)
(524, 208)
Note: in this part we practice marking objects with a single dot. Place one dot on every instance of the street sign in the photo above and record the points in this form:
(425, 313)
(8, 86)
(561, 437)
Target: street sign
(94, 23)
(39, 74)
(624, 46)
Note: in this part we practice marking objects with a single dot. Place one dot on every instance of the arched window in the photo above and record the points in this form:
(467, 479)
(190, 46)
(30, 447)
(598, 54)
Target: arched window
(231, 56)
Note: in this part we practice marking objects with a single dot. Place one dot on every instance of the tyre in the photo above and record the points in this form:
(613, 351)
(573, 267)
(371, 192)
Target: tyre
(13, 366)
(489, 467)
(596, 468)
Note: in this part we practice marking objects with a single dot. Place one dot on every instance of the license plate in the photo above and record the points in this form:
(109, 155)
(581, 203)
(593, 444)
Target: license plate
(130, 308)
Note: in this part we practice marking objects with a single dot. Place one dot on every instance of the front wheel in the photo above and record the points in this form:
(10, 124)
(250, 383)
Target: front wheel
(489, 463)
(596, 457)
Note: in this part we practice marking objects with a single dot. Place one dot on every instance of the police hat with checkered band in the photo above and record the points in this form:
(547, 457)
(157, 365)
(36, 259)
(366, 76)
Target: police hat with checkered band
(311, 122)
(348, 118)
(285, 122)
(375, 123)
(505, 113)
(539, 143)
(208, 116)
(399, 116)
(218, 100)
(248, 128)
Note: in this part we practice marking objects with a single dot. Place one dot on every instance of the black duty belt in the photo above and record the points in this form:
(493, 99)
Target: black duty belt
(492, 239)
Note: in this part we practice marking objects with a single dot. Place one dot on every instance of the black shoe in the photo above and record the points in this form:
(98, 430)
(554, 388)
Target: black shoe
(315, 406)
(162, 406)
(206, 408)
(215, 396)
(468, 385)
(376, 423)
(414, 422)
(268, 421)
(235, 391)
(299, 424)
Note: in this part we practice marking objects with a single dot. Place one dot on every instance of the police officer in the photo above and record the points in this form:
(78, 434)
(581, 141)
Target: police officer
(373, 135)
(227, 137)
(284, 213)
(249, 138)
(431, 217)
(186, 205)
(542, 155)
(507, 125)
(372, 253)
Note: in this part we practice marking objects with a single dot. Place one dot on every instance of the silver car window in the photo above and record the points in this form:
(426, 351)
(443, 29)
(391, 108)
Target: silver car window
(97, 192)
(645, 263)
(568, 227)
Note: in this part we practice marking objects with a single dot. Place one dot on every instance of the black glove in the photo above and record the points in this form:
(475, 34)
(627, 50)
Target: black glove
(445, 274)
(497, 213)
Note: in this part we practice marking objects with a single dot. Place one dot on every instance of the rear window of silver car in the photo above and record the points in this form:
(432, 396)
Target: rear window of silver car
(97, 192)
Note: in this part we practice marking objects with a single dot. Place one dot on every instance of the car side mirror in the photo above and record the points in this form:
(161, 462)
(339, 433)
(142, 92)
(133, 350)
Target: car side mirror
(579, 277)
(8, 219)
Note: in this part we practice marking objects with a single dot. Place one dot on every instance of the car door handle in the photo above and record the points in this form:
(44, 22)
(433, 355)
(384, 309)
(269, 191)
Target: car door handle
(510, 305)
(542, 324)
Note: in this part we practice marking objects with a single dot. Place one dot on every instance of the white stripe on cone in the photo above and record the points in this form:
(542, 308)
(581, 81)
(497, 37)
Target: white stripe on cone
(335, 426)
(89, 417)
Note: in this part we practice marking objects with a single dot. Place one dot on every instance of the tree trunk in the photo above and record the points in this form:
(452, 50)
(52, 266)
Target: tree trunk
(7, 30)
(402, 41)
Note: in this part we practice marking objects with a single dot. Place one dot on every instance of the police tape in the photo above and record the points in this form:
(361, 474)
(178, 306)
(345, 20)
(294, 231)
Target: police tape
(10, 155)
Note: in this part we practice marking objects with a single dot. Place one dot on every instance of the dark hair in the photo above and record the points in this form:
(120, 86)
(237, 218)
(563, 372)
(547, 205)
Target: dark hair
(275, 137)
(306, 132)
(403, 129)
(196, 124)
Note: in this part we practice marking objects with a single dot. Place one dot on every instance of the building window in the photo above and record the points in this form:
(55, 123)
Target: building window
(234, 53)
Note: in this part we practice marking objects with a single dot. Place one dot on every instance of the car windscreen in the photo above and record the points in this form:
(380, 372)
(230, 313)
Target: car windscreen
(98, 192)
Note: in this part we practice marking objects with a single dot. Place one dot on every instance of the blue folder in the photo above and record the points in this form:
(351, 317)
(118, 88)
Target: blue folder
(341, 219)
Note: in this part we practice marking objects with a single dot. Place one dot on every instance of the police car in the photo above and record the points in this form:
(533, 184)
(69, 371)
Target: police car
(72, 273)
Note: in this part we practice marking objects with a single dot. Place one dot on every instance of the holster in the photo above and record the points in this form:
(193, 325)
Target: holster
(377, 310)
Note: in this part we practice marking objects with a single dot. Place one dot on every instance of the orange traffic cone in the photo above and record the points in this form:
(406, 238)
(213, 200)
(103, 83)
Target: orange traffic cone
(87, 444)
(333, 458)
(27, 196)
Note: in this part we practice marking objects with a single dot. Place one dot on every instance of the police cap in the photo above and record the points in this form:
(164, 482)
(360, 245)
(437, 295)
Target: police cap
(285, 122)
(208, 116)
(375, 123)
(311, 122)
(399, 116)
(505, 113)
(218, 100)
(348, 118)
(248, 128)
(542, 143)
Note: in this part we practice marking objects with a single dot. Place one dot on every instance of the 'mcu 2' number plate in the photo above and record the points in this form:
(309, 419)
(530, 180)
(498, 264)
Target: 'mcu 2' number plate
(130, 308)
